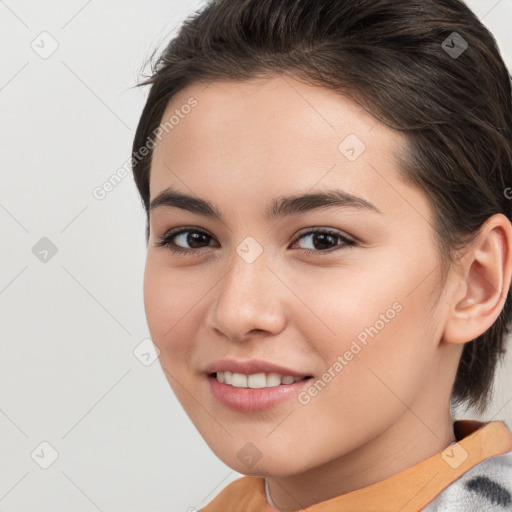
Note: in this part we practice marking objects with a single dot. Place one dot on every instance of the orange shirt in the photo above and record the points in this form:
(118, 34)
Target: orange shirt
(408, 491)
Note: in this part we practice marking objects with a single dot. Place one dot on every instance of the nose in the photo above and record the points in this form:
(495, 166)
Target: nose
(247, 300)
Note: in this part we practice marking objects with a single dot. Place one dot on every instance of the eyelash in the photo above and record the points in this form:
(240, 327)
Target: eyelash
(166, 241)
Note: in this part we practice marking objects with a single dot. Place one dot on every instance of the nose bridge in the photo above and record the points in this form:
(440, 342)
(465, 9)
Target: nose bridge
(246, 298)
(246, 281)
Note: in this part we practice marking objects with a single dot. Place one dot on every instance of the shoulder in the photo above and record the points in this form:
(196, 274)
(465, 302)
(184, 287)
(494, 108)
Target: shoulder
(245, 493)
(486, 487)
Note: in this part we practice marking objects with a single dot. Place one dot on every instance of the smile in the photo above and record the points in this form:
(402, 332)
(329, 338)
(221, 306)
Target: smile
(254, 392)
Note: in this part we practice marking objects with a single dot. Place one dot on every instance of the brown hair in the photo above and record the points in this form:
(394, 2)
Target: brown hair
(403, 64)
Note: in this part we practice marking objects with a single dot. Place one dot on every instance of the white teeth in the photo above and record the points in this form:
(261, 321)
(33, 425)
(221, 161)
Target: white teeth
(239, 380)
(273, 379)
(255, 380)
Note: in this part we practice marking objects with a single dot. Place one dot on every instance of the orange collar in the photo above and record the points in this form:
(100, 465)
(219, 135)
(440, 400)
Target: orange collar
(408, 491)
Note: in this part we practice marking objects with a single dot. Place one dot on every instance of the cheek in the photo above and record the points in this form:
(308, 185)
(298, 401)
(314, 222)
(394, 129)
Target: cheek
(378, 360)
(355, 401)
(375, 335)
(363, 393)
(169, 301)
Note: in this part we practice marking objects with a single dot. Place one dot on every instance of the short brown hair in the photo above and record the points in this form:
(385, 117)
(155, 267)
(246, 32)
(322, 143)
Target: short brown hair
(402, 62)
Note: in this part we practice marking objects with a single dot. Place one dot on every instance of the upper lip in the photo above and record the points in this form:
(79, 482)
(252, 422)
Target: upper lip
(250, 366)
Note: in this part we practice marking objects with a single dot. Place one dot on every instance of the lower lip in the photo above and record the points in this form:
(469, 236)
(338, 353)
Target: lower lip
(253, 399)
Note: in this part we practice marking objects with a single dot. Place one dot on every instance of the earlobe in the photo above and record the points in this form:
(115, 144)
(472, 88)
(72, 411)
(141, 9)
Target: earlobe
(482, 287)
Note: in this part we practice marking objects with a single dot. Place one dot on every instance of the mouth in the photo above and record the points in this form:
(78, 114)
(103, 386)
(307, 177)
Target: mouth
(254, 392)
(256, 380)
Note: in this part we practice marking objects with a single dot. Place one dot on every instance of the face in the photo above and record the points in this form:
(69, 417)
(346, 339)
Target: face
(343, 292)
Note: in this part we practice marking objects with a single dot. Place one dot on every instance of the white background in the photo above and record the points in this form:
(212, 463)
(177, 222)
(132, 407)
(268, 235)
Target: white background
(69, 326)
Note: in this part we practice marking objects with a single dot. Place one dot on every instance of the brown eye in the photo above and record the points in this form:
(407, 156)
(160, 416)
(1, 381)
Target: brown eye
(323, 240)
(195, 238)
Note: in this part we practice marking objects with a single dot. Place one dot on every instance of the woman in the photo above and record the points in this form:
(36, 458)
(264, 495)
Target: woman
(329, 249)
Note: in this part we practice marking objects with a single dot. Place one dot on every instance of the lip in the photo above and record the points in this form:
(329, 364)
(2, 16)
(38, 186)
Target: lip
(253, 399)
(250, 366)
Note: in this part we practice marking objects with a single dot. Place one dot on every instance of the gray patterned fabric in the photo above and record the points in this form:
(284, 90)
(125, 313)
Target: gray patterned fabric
(487, 487)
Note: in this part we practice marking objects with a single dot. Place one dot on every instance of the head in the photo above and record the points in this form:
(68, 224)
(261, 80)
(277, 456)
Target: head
(257, 101)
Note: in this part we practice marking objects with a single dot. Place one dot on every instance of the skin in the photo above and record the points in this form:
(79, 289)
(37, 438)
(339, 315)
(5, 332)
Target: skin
(243, 145)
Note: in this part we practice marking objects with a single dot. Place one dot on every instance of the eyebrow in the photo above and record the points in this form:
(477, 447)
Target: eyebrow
(279, 207)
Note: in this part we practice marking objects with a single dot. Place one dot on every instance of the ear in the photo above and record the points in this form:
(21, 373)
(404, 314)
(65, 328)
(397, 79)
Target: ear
(481, 286)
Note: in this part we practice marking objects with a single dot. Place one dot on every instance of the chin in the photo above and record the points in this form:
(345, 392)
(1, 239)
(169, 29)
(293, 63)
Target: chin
(279, 465)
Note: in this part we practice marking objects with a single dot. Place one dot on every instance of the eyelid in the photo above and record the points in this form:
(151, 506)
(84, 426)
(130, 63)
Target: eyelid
(163, 240)
(347, 240)
(320, 229)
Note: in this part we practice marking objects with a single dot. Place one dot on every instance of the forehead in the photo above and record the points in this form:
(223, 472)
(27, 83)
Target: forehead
(270, 135)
